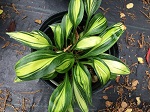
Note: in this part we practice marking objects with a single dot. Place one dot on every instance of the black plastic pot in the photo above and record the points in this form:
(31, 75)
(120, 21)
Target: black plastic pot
(46, 29)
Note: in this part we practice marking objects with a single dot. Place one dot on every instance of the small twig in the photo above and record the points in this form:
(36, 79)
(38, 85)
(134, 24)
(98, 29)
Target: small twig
(32, 92)
(24, 17)
(145, 14)
(3, 38)
(15, 110)
(23, 105)
(104, 10)
(107, 88)
(5, 100)
(6, 44)
(19, 52)
(76, 35)
(66, 49)
(14, 8)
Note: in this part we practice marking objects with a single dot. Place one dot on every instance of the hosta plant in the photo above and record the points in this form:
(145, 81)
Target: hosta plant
(76, 52)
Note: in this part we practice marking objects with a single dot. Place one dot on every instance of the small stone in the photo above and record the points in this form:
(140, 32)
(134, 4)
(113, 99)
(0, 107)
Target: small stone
(129, 110)
(140, 60)
(122, 15)
(129, 5)
(138, 100)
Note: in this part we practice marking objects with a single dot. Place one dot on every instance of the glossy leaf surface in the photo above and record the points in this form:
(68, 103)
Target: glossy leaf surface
(34, 39)
(61, 98)
(76, 12)
(115, 65)
(109, 38)
(88, 42)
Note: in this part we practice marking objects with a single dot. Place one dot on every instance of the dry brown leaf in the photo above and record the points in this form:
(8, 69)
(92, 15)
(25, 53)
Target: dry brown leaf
(129, 5)
(105, 97)
(38, 21)
(124, 105)
(129, 110)
(138, 100)
(135, 83)
(140, 60)
(122, 15)
(11, 27)
(108, 103)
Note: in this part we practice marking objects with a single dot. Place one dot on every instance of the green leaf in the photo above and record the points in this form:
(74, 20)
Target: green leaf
(61, 98)
(115, 65)
(83, 79)
(80, 97)
(50, 76)
(66, 64)
(35, 39)
(53, 26)
(38, 64)
(16, 80)
(91, 6)
(97, 24)
(88, 42)
(76, 12)
(109, 38)
(1, 11)
(70, 109)
(101, 70)
(113, 76)
(58, 36)
(66, 26)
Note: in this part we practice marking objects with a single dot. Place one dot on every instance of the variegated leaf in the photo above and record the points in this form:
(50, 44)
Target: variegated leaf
(53, 26)
(102, 70)
(38, 64)
(80, 97)
(34, 39)
(76, 12)
(91, 6)
(88, 42)
(50, 76)
(59, 37)
(70, 109)
(97, 24)
(66, 26)
(109, 38)
(115, 65)
(17, 80)
(66, 64)
(83, 79)
(61, 98)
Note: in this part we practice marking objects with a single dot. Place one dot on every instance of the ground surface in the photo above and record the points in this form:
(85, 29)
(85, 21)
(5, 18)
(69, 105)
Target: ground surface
(125, 94)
